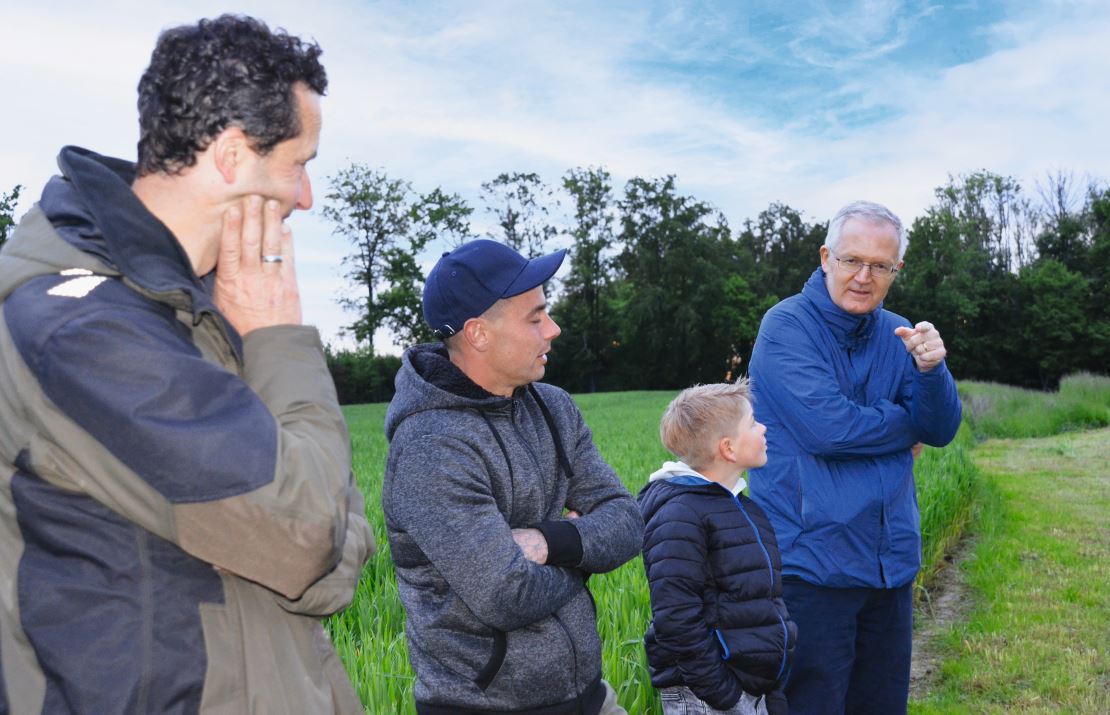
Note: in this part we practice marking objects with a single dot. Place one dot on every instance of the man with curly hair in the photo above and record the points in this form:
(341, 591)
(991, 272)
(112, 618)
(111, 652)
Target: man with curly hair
(177, 509)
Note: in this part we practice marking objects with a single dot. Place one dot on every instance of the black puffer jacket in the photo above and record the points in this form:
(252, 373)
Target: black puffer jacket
(719, 624)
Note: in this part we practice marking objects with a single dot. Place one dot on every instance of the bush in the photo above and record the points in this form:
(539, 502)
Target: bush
(361, 376)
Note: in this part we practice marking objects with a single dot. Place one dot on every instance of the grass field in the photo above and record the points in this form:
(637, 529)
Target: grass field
(1038, 638)
(370, 637)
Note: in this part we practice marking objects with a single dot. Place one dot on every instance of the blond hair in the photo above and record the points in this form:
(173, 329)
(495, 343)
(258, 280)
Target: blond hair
(700, 416)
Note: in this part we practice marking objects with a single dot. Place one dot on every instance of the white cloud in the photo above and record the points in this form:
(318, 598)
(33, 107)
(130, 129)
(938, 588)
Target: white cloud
(452, 95)
(847, 36)
(1018, 112)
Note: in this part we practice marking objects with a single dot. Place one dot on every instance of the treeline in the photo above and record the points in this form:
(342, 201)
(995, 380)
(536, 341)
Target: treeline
(661, 292)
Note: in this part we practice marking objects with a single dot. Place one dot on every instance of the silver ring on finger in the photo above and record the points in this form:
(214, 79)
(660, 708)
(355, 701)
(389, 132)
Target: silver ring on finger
(272, 258)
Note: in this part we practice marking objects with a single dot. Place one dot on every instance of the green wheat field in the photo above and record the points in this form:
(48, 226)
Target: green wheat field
(370, 634)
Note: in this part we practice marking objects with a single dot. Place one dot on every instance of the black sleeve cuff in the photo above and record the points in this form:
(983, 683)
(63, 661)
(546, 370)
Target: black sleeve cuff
(564, 543)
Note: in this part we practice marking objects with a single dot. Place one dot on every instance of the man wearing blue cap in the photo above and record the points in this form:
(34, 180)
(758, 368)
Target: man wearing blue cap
(498, 506)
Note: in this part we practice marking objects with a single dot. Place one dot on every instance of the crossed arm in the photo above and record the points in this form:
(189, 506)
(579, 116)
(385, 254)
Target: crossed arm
(798, 382)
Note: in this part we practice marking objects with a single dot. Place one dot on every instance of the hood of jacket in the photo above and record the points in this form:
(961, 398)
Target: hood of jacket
(849, 329)
(674, 478)
(105, 229)
(428, 380)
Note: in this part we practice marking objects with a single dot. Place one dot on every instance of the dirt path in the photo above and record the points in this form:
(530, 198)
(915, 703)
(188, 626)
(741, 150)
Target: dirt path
(948, 602)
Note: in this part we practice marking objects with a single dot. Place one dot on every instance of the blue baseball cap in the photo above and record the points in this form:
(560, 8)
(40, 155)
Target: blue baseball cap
(465, 282)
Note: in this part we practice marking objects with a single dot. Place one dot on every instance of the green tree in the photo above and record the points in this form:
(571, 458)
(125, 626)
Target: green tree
(373, 213)
(521, 203)
(960, 275)
(1096, 269)
(679, 319)
(584, 310)
(783, 248)
(992, 214)
(1064, 236)
(435, 216)
(1054, 320)
(389, 225)
(8, 203)
(737, 316)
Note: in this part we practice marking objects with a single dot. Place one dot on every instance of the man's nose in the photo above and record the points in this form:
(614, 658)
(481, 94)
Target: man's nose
(304, 198)
(553, 329)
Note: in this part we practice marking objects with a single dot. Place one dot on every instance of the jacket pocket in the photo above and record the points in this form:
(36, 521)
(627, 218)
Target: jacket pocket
(225, 680)
(492, 667)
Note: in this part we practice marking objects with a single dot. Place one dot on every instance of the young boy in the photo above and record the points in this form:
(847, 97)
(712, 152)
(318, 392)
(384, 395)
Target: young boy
(720, 636)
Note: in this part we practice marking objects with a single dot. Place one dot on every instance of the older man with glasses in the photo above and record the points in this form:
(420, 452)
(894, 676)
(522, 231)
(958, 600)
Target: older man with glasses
(849, 392)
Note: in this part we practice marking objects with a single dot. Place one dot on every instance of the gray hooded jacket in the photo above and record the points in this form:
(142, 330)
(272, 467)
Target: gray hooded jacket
(488, 630)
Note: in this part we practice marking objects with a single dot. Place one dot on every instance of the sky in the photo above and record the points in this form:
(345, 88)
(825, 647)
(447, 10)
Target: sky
(809, 103)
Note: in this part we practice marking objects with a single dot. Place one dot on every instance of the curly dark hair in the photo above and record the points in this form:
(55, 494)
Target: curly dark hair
(230, 71)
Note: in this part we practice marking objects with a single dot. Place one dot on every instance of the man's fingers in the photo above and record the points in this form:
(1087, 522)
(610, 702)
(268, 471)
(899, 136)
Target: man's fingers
(272, 230)
(228, 261)
(251, 239)
(286, 249)
(903, 332)
(923, 327)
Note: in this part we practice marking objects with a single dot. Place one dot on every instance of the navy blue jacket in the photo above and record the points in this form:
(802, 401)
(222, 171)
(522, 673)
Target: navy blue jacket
(719, 625)
(843, 403)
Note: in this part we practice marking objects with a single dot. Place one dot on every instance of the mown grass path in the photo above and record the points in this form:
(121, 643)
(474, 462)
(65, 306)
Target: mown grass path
(1038, 637)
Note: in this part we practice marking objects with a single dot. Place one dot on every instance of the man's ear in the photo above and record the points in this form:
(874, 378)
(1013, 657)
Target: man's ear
(475, 334)
(230, 149)
(824, 253)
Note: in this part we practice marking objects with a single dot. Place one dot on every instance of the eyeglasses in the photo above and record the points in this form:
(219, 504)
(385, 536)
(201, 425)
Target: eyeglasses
(854, 265)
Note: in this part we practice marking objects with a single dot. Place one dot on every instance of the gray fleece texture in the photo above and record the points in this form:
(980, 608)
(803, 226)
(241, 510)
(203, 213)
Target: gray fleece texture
(487, 629)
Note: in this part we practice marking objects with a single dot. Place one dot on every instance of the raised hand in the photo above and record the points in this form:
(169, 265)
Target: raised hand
(924, 343)
(256, 284)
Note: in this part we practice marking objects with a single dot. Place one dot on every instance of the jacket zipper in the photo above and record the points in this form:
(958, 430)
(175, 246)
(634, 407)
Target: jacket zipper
(531, 452)
(879, 541)
(882, 494)
(574, 652)
(771, 575)
(520, 435)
